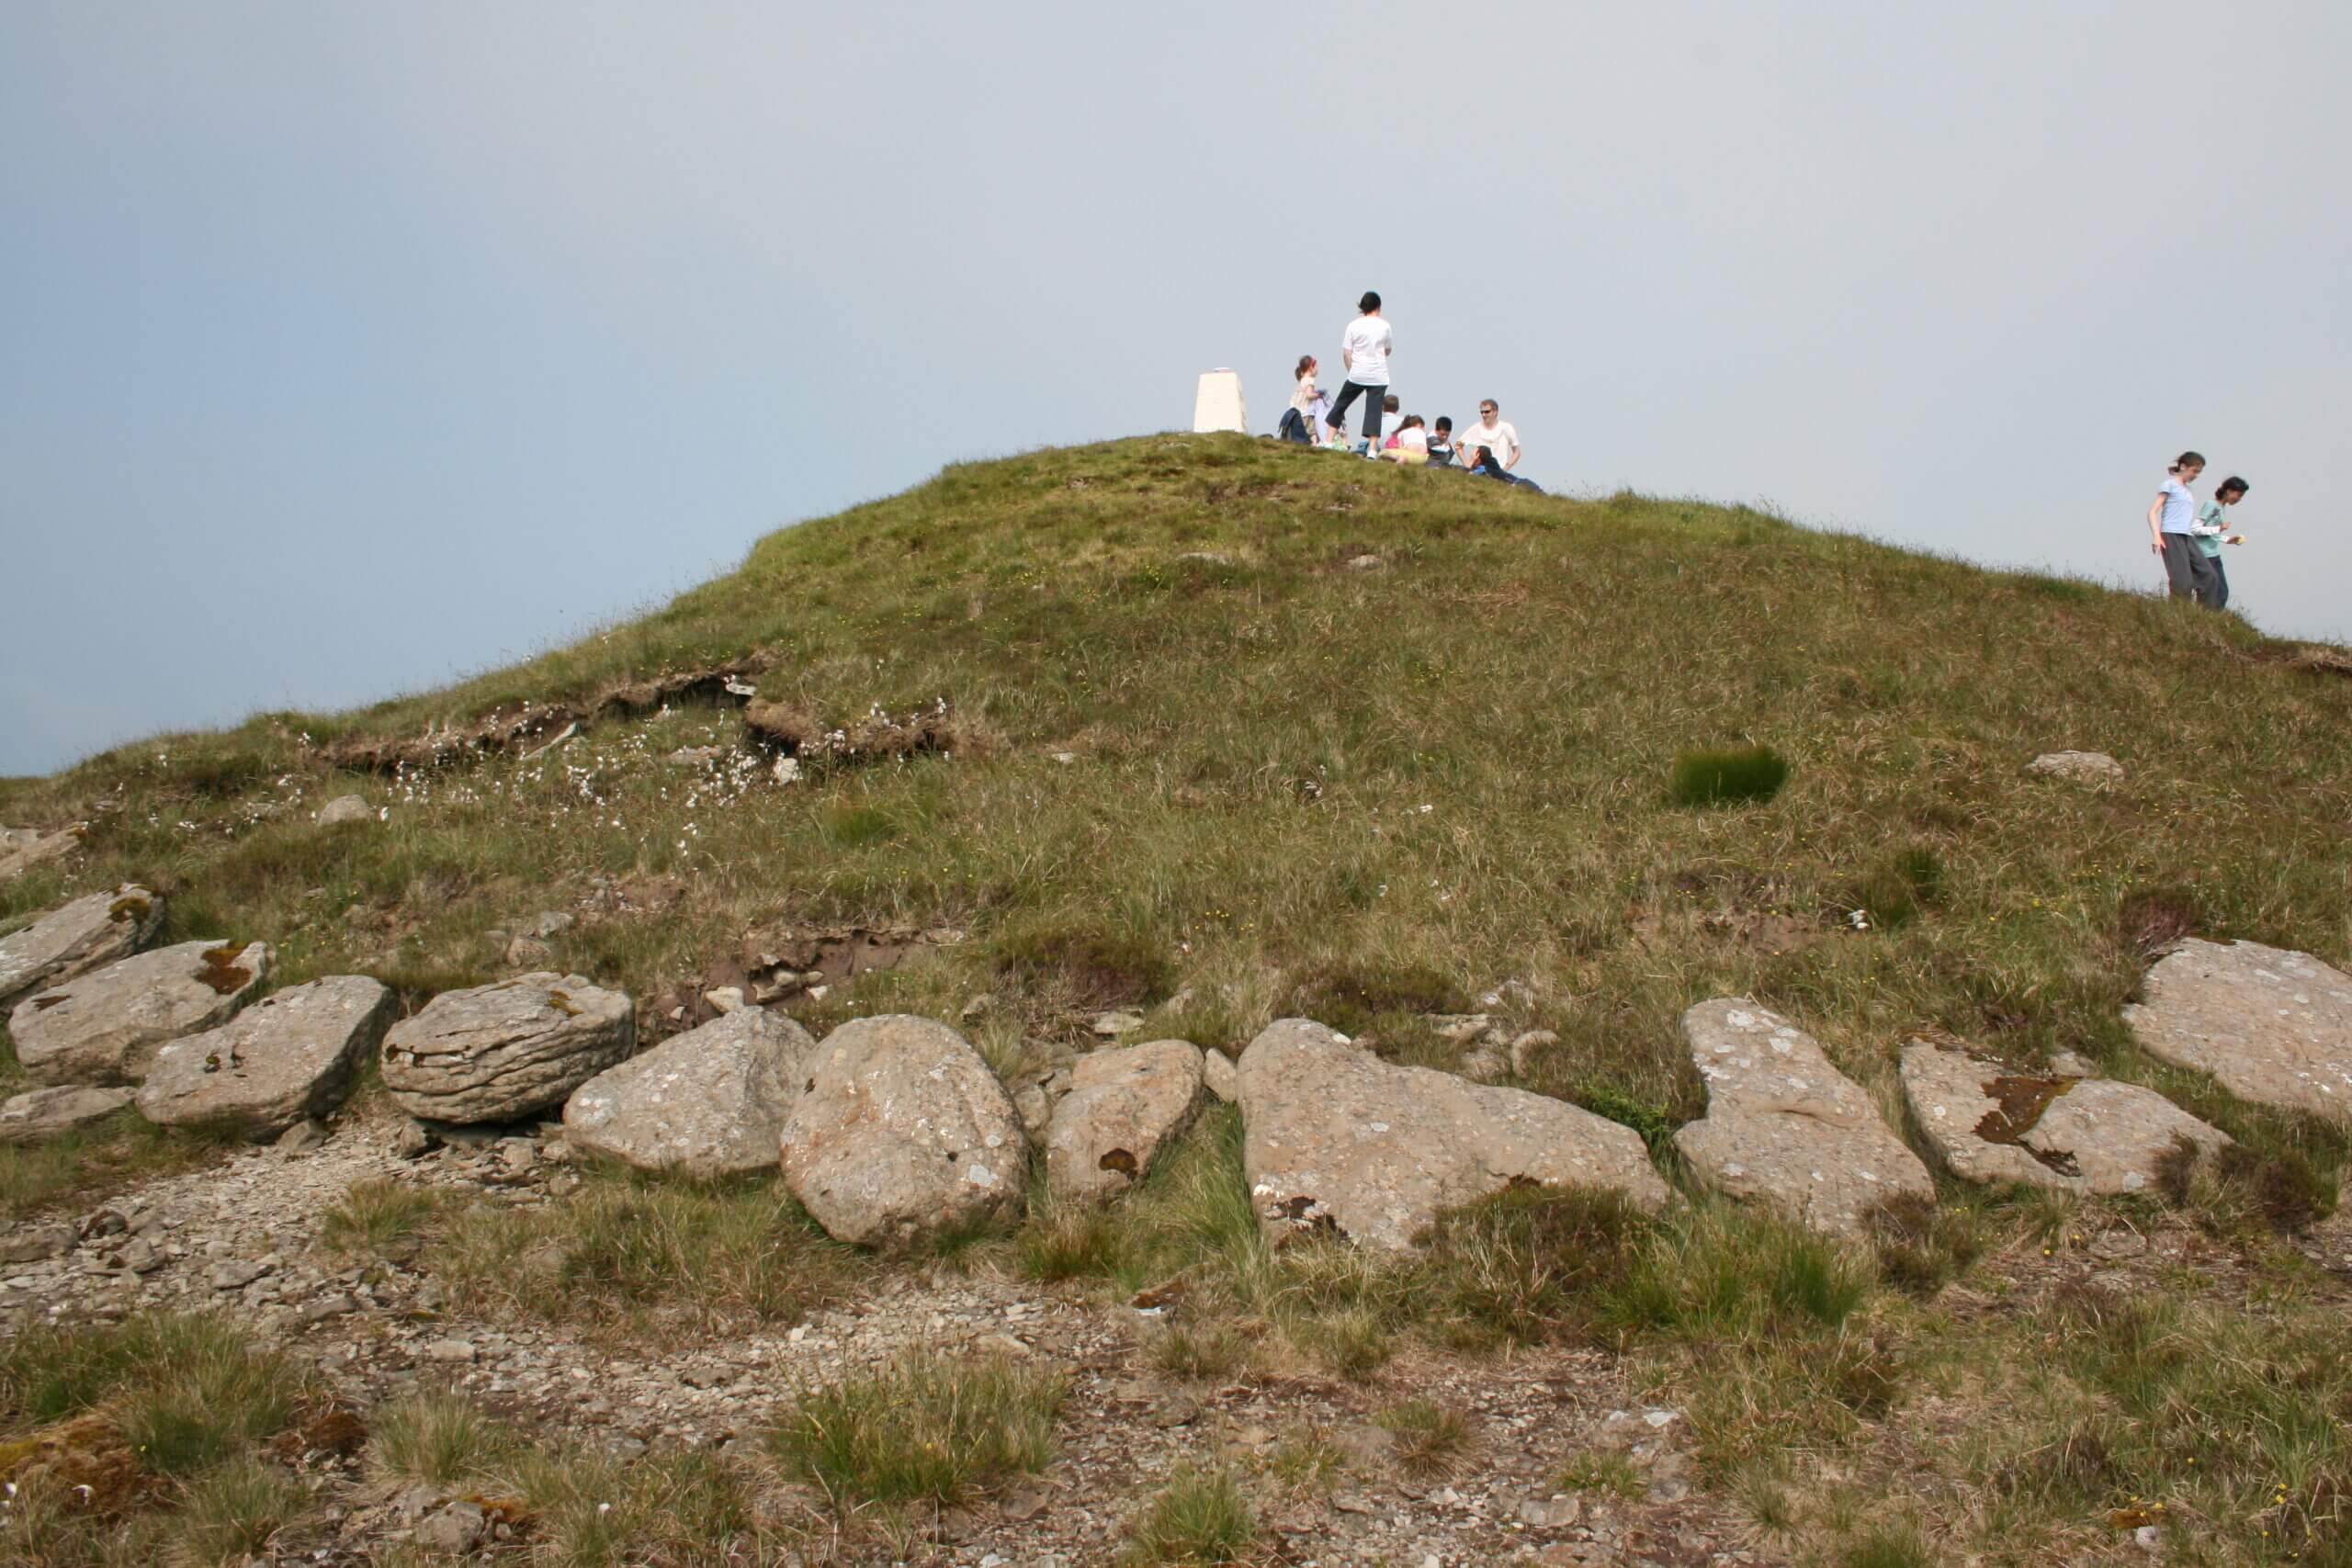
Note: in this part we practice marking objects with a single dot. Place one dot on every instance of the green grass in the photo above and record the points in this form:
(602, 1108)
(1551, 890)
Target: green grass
(375, 1216)
(1201, 1516)
(437, 1439)
(1430, 1439)
(924, 1428)
(1734, 776)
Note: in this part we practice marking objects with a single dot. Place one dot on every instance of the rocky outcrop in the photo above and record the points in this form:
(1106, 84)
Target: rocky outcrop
(288, 1058)
(1786, 1127)
(22, 849)
(45, 1112)
(902, 1130)
(1123, 1108)
(1336, 1138)
(2077, 767)
(75, 938)
(1990, 1123)
(504, 1051)
(711, 1101)
(104, 1027)
(2272, 1026)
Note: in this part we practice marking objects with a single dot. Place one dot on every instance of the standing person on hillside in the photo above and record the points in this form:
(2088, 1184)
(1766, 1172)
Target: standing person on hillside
(1303, 399)
(1365, 349)
(2213, 532)
(2172, 530)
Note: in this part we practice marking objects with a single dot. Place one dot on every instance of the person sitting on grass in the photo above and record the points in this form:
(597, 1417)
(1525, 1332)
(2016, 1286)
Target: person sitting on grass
(2213, 532)
(1388, 407)
(1441, 441)
(1302, 397)
(1410, 444)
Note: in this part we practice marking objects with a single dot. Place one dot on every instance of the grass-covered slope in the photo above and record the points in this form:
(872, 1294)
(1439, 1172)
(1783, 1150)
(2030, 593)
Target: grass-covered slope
(1196, 743)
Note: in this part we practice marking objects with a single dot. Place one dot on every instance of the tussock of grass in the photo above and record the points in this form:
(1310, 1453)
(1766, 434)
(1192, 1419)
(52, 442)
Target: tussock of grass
(1207, 1353)
(231, 1512)
(627, 1244)
(1430, 1439)
(925, 1427)
(1604, 1471)
(1201, 1516)
(440, 1439)
(1735, 776)
(374, 1216)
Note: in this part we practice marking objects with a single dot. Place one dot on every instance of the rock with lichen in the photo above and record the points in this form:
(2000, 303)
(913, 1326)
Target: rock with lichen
(507, 1050)
(104, 1027)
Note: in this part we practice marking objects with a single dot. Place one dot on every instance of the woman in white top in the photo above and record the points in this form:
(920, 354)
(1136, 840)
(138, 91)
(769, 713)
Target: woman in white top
(1365, 349)
(2172, 530)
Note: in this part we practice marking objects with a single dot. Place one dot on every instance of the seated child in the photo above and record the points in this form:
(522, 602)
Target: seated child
(1410, 444)
(1441, 441)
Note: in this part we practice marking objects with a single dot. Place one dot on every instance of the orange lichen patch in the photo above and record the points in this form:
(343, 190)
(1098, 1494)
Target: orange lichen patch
(564, 1004)
(134, 909)
(222, 971)
(83, 1464)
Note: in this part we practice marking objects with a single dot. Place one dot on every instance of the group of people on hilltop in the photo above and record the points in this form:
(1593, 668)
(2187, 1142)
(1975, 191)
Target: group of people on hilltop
(2189, 537)
(1489, 447)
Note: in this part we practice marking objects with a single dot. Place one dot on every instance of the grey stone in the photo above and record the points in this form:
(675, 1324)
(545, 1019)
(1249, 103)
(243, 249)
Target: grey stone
(345, 809)
(287, 1058)
(550, 922)
(2117, 1134)
(1948, 1092)
(45, 1112)
(1220, 1075)
(34, 1243)
(104, 1027)
(1111, 1025)
(25, 848)
(902, 1130)
(1527, 1049)
(1124, 1107)
(1786, 1127)
(2077, 767)
(307, 1133)
(1335, 1136)
(1553, 1513)
(502, 1052)
(2076, 1134)
(74, 939)
(452, 1531)
(529, 953)
(459, 1352)
(711, 1101)
(239, 1273)
(2272, 1026)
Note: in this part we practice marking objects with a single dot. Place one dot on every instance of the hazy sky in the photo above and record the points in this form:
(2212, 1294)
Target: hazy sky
(346, 348)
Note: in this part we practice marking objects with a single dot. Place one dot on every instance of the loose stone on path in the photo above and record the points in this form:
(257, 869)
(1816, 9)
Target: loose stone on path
(287, 1059)
(501, 1051)
(75, 938)
(45, 1112)
(2272, 1026)
(104, 1027)
(1991, 1123)
(1335, 1136)
(710, 1103)
(1785, 1126)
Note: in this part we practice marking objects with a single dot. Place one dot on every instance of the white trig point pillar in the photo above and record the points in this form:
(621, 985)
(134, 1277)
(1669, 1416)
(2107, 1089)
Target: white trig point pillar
(1217, 405)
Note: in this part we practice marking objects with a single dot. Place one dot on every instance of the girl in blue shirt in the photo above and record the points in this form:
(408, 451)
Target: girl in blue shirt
(2172, 530)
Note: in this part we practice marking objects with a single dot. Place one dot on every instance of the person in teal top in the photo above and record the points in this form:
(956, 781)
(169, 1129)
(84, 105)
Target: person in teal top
(2214, 530)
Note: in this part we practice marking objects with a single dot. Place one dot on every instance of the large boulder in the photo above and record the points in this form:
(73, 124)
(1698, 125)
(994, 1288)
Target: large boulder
(288, 1058)
(1786, 1127)
(2272, 1026)
(711, 1101)
(1991, 1123)
(902, 1130)
(45, 1112)
(104, 1027)
(75, 938)
(1123, 1108)
(1334, 1137)
(504, 1051)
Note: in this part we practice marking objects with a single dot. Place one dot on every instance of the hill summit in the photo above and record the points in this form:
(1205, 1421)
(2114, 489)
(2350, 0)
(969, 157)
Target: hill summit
(1170, 739)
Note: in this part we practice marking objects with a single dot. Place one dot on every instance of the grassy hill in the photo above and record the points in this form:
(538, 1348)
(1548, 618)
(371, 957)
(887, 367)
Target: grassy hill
(1224, 731)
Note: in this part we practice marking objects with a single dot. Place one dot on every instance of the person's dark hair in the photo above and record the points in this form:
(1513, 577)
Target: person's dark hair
(1444, 421)
(1388, 404)
(1370, 302)
(2233, 486)
(1303, 361)
(1410, 421)
(2186, 460)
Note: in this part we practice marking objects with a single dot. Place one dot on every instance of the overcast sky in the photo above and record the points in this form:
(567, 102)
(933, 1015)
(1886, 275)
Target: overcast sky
(346, 348)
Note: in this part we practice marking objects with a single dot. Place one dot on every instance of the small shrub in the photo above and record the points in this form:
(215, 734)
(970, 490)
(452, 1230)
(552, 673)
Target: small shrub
(591, 1510)
(1728, 776)
(1353, 1342)
(212, 1399)
(1604, 1471)
(925, 1427)
(437, 1439)
(1654, 1122)
(1201, 1516)
(1921, 1244)
(1073, 1242)
(374, 1216)
(2238, 1191)
(1888, 1546)
(1429, 1437)
(1307, 1458)
(232, 1511)
(1525, 1264)
(1201, 1355)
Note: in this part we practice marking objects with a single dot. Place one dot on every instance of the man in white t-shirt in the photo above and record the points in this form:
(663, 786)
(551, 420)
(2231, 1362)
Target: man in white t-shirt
(1365, 349)
(1500, 441)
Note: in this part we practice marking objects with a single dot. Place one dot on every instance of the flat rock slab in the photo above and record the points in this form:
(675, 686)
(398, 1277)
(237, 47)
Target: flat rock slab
(2080, 767)
(504, 1051)
(902, 1131)
(287, 1059)
(104, 1027)
(1334, 1137)
(711, 1101)
(74, 939)
(2272, 1026)
(1786, 1127)
(1123, 1108)
(21, 849)
(45, 1112)
(1991, 1123)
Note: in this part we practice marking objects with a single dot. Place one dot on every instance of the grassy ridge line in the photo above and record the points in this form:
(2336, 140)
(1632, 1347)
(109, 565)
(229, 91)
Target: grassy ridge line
(1297, 787)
